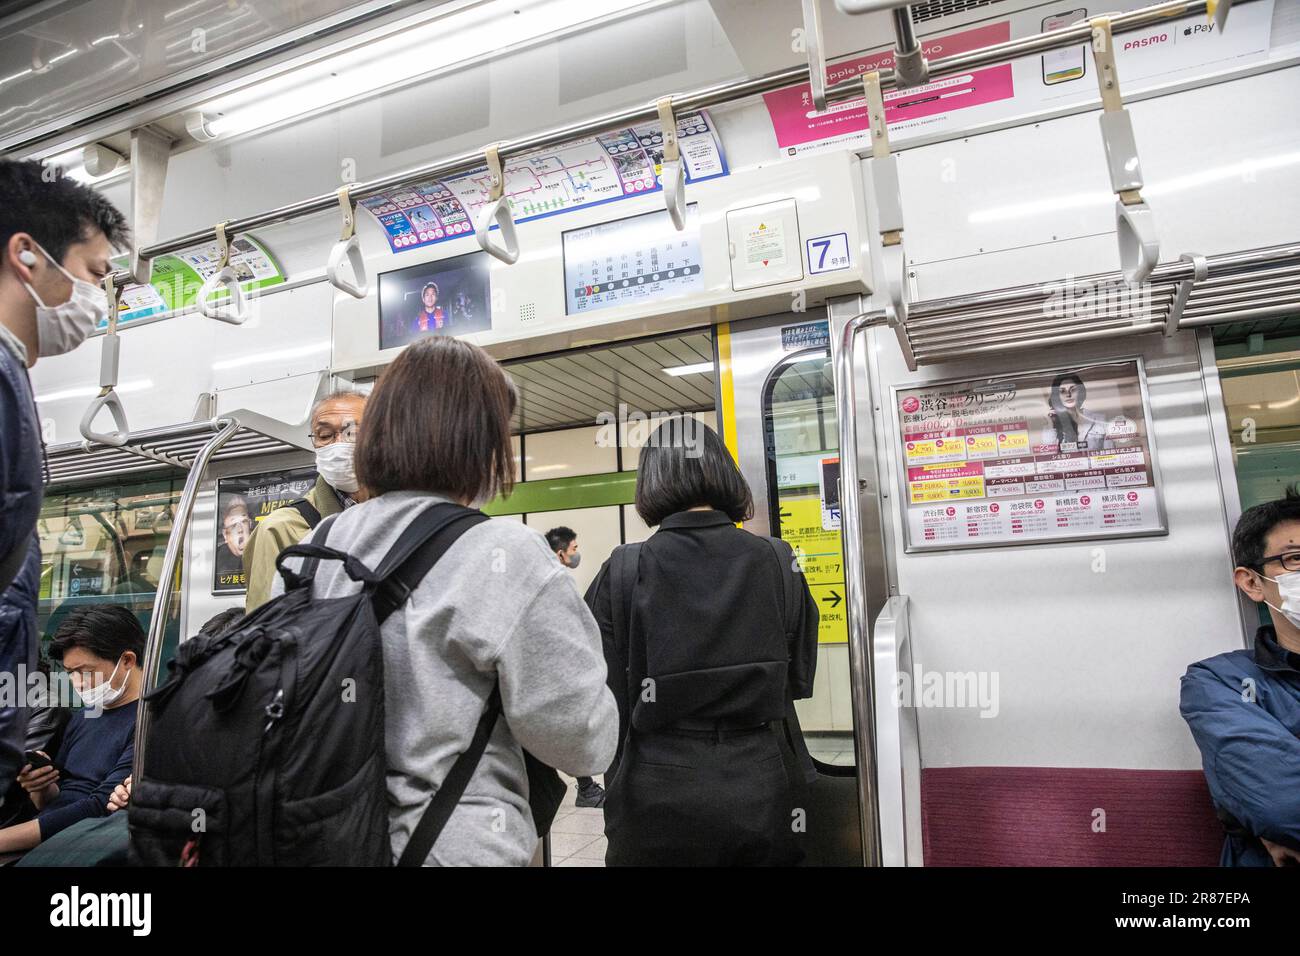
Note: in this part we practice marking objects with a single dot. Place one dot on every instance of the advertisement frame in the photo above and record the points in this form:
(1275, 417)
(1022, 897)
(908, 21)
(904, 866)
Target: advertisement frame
(900, 466)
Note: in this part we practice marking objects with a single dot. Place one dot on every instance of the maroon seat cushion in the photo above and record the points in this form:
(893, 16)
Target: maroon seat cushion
(1043, 816)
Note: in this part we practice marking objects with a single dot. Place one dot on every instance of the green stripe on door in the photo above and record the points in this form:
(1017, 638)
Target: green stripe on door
(562, 494)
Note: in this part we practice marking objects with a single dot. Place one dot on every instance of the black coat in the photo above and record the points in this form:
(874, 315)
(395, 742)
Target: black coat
(703, 671)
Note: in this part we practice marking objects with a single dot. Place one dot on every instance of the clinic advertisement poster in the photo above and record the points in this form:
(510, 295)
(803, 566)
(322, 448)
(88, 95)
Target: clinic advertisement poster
(174, 280)
(1043, 456)
(242, 503)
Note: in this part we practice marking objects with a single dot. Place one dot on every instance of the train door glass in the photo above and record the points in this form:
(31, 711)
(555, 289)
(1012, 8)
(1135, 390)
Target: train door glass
(105, 545)
(802, 452)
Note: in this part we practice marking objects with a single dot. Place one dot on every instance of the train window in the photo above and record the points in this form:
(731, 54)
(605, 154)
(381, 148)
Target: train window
(801, 437)
(105, 545)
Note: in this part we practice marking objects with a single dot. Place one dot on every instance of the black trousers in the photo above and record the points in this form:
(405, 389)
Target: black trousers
(700, 800)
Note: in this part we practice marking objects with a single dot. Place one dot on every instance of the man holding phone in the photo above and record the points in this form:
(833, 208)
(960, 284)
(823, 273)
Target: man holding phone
(100, 646)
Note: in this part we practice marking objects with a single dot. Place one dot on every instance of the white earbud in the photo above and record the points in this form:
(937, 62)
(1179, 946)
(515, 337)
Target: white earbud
(27, 257)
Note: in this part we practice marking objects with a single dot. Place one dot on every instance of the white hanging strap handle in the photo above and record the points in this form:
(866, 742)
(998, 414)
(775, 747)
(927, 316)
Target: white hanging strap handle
(236, 310)
(1139, 245)
(889, 200)
(672, 172)
(107, 397)
(348, 247)
(1217, 12)
(497, 210)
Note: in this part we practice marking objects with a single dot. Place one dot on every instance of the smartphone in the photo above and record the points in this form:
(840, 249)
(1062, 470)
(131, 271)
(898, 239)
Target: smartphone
(1061, 66)
(37, 759)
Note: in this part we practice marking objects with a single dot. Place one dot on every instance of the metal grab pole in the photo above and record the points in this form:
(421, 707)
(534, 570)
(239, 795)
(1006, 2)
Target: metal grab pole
(162, 597)
(861, 652)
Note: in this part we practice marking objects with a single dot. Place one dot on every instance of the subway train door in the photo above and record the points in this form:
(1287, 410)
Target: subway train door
(777, 410)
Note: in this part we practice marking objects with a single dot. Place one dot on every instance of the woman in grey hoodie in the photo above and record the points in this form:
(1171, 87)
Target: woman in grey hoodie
(496, 607)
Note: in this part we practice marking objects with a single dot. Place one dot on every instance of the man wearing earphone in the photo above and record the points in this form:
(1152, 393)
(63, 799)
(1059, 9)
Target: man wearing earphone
(56, 237)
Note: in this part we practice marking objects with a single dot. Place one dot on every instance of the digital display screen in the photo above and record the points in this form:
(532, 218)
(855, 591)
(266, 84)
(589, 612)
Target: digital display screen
(631, 261)
(444, 297)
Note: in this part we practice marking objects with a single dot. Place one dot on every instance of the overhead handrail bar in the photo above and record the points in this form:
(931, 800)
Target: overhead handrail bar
(673, 170)
(910, 64)
(235, 311)
(719, 95)
(497, 210)
(109, 359)
(1135, 223)
(348, 248)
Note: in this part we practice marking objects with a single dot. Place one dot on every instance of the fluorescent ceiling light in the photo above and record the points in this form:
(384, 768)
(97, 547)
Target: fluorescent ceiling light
(697, 369)
(278, 355)
(480, 30)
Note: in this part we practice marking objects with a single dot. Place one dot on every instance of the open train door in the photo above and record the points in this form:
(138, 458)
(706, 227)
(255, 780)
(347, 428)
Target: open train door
(777, 408)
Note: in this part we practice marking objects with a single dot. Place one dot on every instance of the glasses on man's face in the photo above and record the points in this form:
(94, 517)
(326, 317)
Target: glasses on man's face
(326, 434)
(1290, 560)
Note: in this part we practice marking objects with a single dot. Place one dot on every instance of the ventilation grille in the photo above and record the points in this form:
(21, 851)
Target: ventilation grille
(528, 312)
(934, 9)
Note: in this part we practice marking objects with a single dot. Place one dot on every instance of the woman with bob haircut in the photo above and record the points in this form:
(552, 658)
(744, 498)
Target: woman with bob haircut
(497, 607)
(710, 633)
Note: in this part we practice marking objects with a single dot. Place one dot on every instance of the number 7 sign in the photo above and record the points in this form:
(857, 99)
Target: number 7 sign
(828, 253)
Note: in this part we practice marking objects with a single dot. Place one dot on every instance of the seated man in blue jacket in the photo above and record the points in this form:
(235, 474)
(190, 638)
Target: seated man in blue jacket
(100, 647)
(1244, 706)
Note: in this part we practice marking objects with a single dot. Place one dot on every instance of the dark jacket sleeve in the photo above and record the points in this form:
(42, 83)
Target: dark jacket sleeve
(93, 804)
(1251, 760)
(599, 600)
(18, 599)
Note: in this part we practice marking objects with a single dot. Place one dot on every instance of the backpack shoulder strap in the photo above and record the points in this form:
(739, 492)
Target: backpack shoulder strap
(425, 540)
(310, 513)
(310, 562)
(622, 582)
(417, 549)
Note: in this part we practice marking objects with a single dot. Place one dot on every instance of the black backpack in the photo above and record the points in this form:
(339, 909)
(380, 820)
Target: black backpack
(265, 746)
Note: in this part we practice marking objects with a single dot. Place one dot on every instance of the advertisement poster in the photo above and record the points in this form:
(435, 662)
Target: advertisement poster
(1178, 50)
(576, 175)
(241, 504)
(801, 129)
(1044, 456)
(175, 279)
(443, 297)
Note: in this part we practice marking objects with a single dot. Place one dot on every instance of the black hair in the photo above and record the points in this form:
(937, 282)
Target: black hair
(684, 465)
(559, 539)
(1064, 424)
(220, 622)
(106, 630)
(1253, 527)
(56, 210)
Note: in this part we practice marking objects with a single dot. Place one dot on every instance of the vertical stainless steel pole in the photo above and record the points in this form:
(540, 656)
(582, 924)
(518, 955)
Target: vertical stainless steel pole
(860, 649)
(162, 597)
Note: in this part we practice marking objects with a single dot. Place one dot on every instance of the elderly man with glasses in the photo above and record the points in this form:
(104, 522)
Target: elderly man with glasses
(1244, 706)
(334, 423)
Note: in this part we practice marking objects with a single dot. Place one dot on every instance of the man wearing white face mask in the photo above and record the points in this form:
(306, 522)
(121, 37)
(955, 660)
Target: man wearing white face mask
(56, 237)
(100, 647)
(1244, 706)
(334, 423)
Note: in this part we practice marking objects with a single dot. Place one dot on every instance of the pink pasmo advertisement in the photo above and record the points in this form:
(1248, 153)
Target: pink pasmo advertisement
(800, 128)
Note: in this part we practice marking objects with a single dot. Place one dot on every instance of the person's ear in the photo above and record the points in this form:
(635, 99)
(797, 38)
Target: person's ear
(129, 660)
(21, 256)
(1248, 581)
